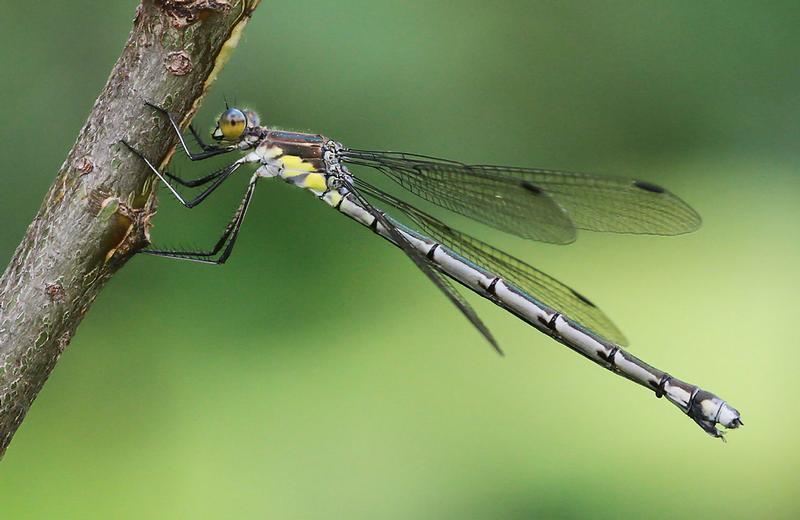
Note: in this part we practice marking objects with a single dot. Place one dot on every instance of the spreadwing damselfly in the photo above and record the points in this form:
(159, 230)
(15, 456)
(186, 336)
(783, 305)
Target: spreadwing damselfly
(537, 204)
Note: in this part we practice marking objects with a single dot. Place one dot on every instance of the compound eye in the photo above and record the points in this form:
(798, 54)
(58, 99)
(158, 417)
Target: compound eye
(252, 118)
(232, 124)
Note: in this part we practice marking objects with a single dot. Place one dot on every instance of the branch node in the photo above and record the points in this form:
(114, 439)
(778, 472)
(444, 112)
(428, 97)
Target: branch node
(187, 12)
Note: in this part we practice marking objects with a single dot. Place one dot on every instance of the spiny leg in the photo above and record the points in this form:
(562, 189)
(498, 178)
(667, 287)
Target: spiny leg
(226, 241)
(193, 183)
(218, 177)
(208, 150)
(199, 140)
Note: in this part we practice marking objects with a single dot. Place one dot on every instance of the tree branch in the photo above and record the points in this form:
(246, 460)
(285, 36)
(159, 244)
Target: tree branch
(96, 214)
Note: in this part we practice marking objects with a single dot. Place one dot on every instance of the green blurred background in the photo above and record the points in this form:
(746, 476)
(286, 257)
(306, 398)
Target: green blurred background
(318, 375)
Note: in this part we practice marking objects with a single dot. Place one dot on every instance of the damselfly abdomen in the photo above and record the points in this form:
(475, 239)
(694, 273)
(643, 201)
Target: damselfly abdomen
(543, 205)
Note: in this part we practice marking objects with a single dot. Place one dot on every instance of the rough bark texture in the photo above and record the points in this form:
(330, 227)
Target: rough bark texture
(96, 214)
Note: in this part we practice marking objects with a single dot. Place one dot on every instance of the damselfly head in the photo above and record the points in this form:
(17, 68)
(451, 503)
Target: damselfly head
(231, 125)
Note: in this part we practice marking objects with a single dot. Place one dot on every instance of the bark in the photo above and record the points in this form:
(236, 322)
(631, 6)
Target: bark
(96, 214)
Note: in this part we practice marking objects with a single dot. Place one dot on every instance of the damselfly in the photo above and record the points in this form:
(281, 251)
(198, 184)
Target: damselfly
(543, 205)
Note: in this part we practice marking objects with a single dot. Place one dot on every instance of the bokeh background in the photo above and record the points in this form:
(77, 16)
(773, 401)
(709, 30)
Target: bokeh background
(318, 375)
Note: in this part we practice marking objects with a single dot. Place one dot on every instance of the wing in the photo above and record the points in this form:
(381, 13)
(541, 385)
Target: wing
(546, 205)
(425, 265)
(535, 283)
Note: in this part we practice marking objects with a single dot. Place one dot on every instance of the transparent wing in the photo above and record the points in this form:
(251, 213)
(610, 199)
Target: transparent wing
(426, 266)
(537, 284)
(546, 205)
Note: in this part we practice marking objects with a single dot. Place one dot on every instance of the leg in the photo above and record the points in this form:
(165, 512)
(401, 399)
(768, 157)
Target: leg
(199, 140)
(218, 177)
(208, 150)
(227, 240)
(194, 182)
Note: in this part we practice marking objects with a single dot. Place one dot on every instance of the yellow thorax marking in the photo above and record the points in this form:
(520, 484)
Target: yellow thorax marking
(316, 182)
(294, 165)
